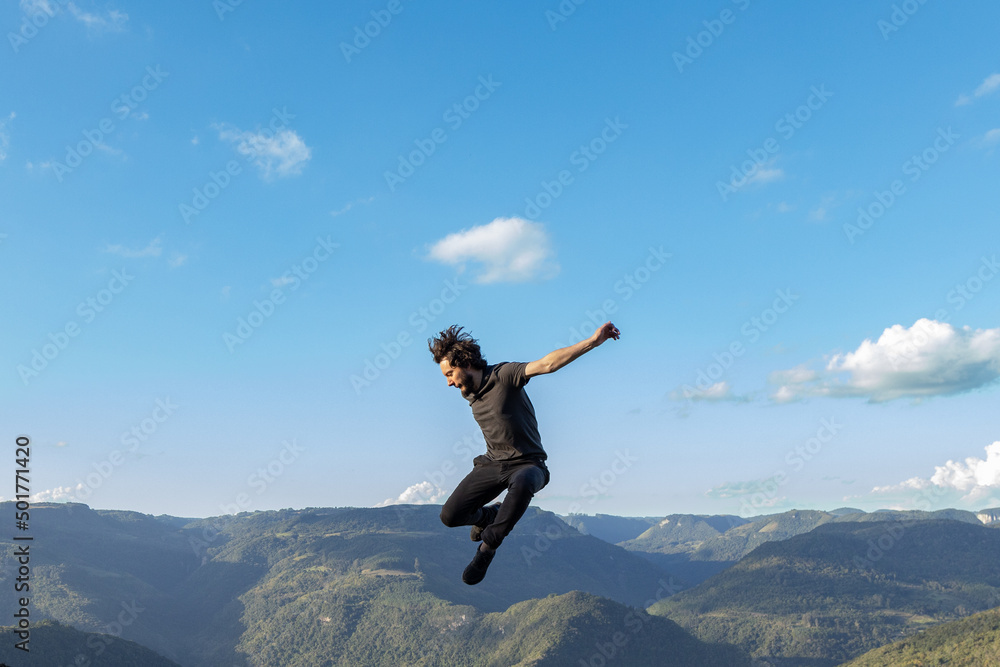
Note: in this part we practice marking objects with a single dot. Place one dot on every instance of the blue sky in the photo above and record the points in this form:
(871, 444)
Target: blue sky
(228, 229)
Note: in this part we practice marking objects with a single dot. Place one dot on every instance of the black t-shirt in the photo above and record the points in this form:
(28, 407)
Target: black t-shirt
(505, 413)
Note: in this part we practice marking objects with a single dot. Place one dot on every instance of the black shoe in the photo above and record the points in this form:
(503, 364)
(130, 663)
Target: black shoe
(476, 570)
(491, 515)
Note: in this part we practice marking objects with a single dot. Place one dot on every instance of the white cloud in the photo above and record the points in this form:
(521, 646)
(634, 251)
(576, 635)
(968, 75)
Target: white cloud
(510, 250)
(972, 475)
(717, 393)
(5, 135)
(101, 146)
(760, 174)
(785, 394)
(822, 211)
(972, 482)
(279, 154)
(818, 214)
(351, 205)
(422, 493)
(758, 493)
(929, 359)
(989, 85)
(796, 375)
(113, 21)
(282, 281)
(177, 260)
(765, 175)
(152, 249)
(58, 494)
(991, 137)
(37, 7)
(42, 166)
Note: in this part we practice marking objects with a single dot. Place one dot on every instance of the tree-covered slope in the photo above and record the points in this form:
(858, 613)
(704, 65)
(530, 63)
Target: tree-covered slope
(844, 588)
(223, 590)
(969, 642)
(52, 644)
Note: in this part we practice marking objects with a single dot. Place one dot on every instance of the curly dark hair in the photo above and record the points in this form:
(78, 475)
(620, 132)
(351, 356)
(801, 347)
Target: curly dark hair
(460, 349)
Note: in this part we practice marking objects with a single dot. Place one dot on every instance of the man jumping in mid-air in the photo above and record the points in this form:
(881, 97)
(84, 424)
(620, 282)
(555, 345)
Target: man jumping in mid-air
(514, 458)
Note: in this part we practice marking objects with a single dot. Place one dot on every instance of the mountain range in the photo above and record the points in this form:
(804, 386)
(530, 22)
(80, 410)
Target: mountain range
(382, 586)
(825, 596)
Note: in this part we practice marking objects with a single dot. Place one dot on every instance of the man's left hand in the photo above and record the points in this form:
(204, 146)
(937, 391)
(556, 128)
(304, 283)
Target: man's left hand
(606, 331)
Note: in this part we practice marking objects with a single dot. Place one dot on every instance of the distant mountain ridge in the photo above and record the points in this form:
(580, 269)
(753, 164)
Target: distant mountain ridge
(613, 529)
(381, 586)
(354, 587)
(695, 547)
(843, 588)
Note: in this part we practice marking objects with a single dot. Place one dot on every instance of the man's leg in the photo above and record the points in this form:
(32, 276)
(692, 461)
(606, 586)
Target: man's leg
(523, 482)
(465, 506)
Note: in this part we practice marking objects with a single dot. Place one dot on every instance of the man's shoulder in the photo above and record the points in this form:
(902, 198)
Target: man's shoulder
(511, 372)
(507, 366)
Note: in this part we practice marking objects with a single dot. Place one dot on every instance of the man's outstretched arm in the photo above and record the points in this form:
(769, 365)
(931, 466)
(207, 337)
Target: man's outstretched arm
(556, 359)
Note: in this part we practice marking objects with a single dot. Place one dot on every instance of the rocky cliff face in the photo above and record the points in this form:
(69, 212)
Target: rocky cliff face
(989, 516)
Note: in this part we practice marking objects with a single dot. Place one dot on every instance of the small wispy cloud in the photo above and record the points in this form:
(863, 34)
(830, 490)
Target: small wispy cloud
(989, 85)
(275, 154)
(720, 392)
(46, 165)
(991, 138)
(930, 358)
(32, 7)
(507, 250)
(760, 174)
(104, 148)
(762, 491)
(152, 249)
(110, 21)
(822, 211)
(351, 205)
(765, 175)
(422, 493)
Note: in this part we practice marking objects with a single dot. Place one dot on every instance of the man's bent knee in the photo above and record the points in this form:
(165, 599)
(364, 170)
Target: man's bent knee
(453, 519)
(529, 483)
(448, 518)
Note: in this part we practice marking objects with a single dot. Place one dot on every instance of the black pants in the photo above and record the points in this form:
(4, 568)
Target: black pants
(488, 479)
